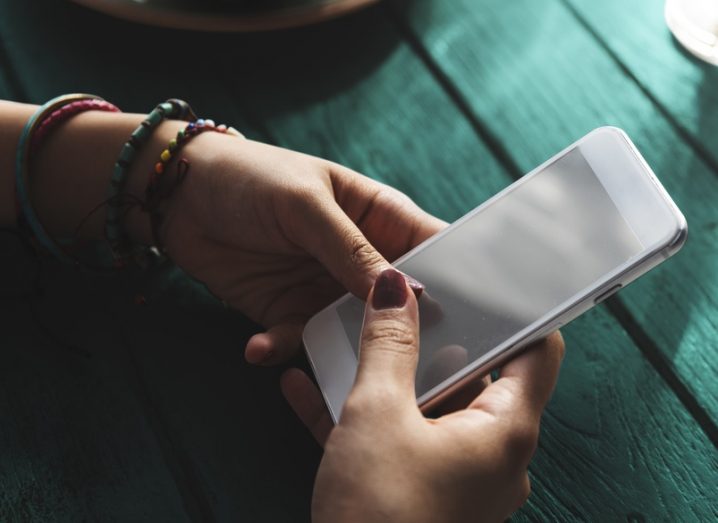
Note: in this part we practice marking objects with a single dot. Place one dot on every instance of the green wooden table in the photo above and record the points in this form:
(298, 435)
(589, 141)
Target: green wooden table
(114, 410)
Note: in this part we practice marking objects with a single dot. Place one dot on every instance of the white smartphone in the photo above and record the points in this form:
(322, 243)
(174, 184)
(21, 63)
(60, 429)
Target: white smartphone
(527, 261)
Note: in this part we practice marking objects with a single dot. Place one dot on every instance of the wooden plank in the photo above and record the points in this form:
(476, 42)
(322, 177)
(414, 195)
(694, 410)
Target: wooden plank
(8, 82)
(247, 452)
(5, 85)
(366, 126)
(75, 444)
(616, 444)
(370, 87)
(236, 447)
(369, 104)
(590, 419)
(538, 81)
(681, 85)
(235, 444)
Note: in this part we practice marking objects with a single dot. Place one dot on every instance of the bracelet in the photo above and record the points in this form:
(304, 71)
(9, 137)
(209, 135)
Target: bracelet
(155, 193)
(47, 117)
(67, 111)
(122, 248)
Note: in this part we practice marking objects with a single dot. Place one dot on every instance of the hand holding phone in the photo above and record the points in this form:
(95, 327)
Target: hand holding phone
(386, 462)
(532, 258)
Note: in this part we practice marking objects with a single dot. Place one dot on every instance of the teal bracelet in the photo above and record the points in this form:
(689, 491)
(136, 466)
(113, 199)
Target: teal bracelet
(27, 218)
(117, 237)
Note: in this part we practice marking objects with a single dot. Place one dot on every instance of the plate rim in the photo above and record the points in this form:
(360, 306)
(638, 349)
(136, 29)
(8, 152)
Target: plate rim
(227, 22)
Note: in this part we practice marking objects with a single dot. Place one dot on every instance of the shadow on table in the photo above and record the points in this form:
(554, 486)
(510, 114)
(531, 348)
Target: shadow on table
(696, 200)
(706, 101)
(220, 73)
(99, 355)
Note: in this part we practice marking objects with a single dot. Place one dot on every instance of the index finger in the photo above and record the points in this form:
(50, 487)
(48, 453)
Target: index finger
(526, 382)
(391, 220)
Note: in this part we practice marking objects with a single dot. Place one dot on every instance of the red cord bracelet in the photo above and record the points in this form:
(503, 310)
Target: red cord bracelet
(67, 111)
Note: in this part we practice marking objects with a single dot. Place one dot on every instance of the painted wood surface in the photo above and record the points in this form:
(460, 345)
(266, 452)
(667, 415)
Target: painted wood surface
(76, 442)
(682, 87)
(686, 91)
(239, 452)
(616, 443)
(538, 81)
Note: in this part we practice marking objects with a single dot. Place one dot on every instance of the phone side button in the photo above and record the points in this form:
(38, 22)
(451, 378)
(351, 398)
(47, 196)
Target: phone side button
(606, 294)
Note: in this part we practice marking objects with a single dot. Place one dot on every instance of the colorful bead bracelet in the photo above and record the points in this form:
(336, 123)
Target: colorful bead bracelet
(155, 193)
(115, 234)
(56, 111)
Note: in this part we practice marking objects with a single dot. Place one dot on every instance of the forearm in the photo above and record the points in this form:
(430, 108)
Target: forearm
(69, 175)
(12, 118)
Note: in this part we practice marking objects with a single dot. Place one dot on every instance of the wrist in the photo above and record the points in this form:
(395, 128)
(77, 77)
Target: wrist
(194, 203)
(12, 119)
(138, 223)
(71, 174)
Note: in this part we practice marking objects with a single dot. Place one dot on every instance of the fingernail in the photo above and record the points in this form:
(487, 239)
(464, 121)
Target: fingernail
(415, 285)
(389, 290)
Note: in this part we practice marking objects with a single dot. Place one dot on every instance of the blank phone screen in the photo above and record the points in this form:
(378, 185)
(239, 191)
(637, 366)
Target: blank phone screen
(522, 256)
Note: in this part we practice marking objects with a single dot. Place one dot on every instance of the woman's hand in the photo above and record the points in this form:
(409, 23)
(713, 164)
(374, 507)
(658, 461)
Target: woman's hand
(279, 234)
(386, 462)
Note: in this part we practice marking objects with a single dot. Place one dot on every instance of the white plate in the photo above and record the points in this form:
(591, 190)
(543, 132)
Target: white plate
(192, 14)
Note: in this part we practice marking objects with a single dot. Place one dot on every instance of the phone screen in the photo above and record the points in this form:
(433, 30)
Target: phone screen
(526, 253)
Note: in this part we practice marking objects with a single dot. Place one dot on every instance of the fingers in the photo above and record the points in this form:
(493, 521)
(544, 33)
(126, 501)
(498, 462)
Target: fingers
(443, 363)
(361, 225)
(329, 235)
(391, 221)
(462, 398)
(535, 373)
(389, 346)
(526, 382)
(307, 402)
(276, 345)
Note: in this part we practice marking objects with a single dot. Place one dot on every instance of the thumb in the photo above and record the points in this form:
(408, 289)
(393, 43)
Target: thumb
(389, 346)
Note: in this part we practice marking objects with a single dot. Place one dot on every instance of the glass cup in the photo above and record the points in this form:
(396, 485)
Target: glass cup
(694, 23)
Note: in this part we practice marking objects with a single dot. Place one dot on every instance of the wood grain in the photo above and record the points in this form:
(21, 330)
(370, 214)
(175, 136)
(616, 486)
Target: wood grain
(681, 86)
(602, 410)
(538, 80)
(238, 450)
(355, 92)
(616, 444)
(74, 442)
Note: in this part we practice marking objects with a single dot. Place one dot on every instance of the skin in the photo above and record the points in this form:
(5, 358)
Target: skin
(278, 235)
(386, 462)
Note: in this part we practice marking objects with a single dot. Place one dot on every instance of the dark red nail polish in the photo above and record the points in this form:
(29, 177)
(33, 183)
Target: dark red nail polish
(415, 285)
(389, 290)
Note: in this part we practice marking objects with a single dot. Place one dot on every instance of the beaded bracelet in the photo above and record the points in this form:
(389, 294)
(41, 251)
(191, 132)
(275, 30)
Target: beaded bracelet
(154, 193)
(47, 117)
(115, 234)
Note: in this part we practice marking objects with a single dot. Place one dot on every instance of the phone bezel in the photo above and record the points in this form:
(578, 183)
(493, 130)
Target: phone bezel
(639, 197)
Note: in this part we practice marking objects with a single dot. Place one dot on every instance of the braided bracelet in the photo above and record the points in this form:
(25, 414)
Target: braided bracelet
(67, 111)
(122, 248)
(154, 192)
(45, 119)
